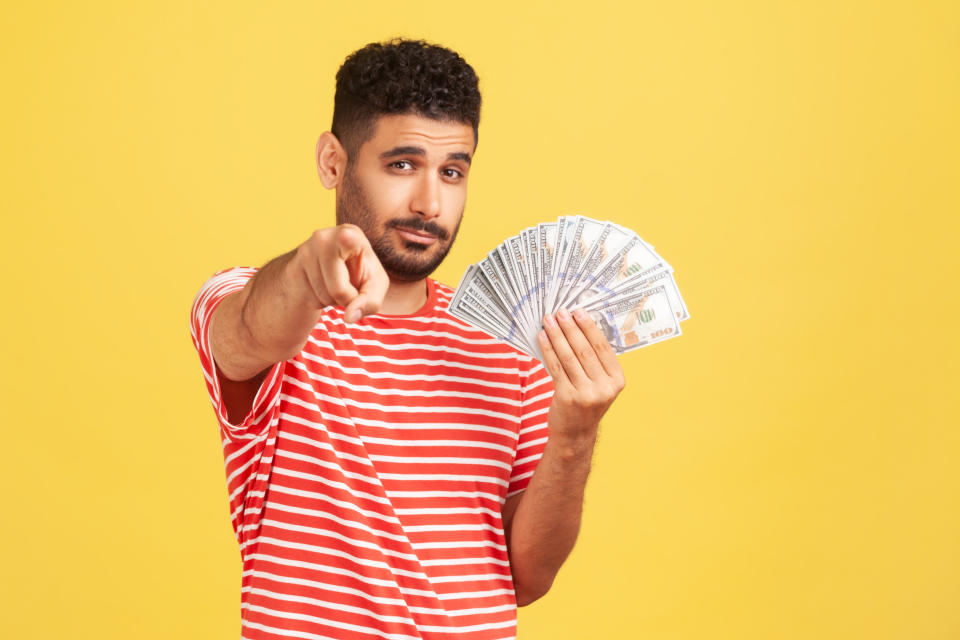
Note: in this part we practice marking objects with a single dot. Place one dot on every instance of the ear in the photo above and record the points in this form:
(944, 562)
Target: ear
(331, 160)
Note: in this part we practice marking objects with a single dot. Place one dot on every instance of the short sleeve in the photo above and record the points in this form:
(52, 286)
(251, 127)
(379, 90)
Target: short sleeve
(266, 403)
(536, 396)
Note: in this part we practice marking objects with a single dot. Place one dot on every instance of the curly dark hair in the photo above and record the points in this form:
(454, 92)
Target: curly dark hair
(402, 76)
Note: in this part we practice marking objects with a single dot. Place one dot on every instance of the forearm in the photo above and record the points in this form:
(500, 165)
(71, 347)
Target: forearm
(546, 523)
(267, 321)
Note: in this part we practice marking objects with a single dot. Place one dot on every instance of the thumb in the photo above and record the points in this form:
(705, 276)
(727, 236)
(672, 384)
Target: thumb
(357, 308)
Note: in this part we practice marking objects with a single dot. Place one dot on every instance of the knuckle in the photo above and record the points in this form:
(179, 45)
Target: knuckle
(349, 231)
(320, 236)
(300, 255)
(322, 242)
(585, 397)
(306, 252)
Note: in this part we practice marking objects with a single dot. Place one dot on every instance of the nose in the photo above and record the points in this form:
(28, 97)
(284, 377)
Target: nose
(426, 197)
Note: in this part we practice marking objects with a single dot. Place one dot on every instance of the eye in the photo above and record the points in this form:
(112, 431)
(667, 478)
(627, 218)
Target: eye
(452, 173)
(402, 164)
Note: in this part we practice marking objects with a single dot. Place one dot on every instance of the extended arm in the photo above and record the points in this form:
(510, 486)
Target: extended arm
(542, 523)
(271, 318)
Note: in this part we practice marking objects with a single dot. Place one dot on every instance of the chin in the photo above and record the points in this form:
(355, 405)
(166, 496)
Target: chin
(415, 247)
(410, 268)
(409, 261)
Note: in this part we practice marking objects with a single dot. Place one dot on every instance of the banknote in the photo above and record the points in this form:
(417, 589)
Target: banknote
(576, 262)
(637, 320)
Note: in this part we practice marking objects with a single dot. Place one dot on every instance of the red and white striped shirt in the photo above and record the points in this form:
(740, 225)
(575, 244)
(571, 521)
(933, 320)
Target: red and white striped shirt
(367, 481)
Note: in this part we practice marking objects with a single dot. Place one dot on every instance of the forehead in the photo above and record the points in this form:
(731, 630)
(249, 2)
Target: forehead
(411, 130)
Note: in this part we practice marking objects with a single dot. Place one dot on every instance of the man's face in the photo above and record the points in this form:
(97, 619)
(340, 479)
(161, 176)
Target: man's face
(406, 190)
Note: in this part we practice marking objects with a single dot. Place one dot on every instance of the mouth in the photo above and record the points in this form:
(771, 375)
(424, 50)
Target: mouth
(418, 237)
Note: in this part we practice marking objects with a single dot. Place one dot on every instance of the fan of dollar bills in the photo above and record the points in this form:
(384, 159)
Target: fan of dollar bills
(574, 262)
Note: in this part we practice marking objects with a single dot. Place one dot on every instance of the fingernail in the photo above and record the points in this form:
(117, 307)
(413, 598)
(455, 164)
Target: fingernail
(354, 315)
(542, 335)
(580, 314)
(564, 314)
(549, 321)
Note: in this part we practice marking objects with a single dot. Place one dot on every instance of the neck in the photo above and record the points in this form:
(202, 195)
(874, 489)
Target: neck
(404, 298)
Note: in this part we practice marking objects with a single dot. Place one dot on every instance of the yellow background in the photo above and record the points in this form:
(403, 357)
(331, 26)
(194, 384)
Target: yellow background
(785, 469)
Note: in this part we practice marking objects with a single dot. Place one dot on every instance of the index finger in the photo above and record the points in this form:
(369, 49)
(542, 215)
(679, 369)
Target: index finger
(372, 281)
(367, 277)
(333, 266)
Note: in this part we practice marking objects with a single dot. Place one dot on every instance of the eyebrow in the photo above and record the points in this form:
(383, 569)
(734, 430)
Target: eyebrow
(419, 151)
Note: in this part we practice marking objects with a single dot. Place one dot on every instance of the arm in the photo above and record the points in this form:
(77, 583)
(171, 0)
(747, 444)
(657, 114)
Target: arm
(271, 318)
(541, 524)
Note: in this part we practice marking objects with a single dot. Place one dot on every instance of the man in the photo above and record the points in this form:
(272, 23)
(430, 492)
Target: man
(389, 466)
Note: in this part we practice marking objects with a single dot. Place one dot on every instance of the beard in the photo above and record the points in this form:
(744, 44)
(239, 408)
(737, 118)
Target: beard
(402, 260)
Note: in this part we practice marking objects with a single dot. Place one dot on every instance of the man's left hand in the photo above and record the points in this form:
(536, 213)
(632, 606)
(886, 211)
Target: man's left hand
(586, 374)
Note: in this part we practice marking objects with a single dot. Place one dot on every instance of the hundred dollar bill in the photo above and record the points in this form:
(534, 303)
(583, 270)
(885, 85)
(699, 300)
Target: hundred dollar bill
(574, 262)
(502, 288)
(473, 303)
(631, 258)
(609, 241)
(474, 318)
(475, 283)
(638, 320)
(658, 274)
(482, 289)
(547, 233)
(469, 275)
(565, 239)
(503, 265)
(526, 277)
(533, 266)
(493, 311)
(596, 291)
(587, 235)
(497, 321)
(469, 308)
(576, 250)
(518, 272)
(506, 268)
(489, 321)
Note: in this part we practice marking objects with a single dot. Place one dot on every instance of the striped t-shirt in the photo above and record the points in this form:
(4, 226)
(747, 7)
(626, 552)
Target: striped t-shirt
(366, 483)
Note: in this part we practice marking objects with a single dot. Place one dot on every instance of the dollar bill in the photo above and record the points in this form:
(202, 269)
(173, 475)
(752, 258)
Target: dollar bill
(577, 261)
(638, 320)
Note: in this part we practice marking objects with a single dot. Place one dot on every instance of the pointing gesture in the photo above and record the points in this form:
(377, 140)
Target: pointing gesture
(342, 269)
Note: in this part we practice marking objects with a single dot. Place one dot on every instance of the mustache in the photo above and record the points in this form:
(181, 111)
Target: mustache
(417, 224)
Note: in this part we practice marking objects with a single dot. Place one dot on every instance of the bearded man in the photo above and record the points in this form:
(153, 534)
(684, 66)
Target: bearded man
(392, 471)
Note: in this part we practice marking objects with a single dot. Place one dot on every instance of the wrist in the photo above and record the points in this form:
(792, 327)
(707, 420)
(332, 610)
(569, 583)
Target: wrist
(573, 446)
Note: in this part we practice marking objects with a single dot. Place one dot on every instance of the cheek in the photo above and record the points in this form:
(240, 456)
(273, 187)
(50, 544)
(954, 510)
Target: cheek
(455, 200)
(384, 195)
(391, 198)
